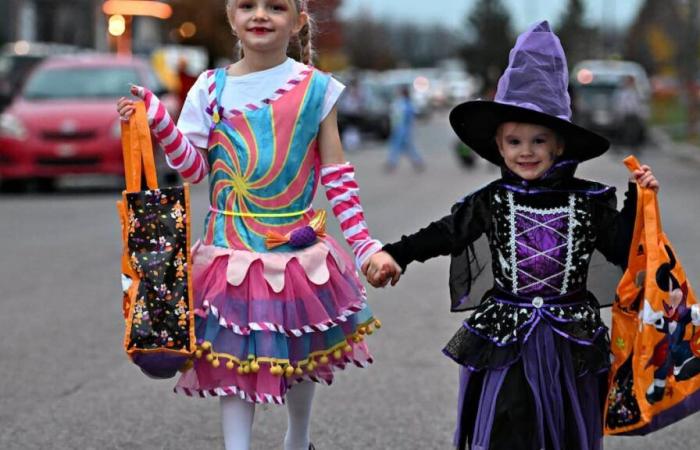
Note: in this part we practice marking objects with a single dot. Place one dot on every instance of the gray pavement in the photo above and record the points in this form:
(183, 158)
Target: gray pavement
(66, 384)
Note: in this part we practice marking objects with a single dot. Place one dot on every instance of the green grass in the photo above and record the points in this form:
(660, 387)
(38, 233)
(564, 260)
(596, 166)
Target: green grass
(671, 115)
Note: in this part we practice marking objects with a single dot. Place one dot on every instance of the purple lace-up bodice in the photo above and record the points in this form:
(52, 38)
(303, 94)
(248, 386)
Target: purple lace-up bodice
(541, 247)
(541, 251)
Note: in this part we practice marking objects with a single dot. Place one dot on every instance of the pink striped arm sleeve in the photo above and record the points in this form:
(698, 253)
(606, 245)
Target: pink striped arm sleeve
(180, 154)
(343, 193)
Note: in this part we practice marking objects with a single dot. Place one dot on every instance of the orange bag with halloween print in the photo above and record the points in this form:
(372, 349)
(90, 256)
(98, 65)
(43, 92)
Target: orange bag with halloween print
(655, 338)
(157, 301)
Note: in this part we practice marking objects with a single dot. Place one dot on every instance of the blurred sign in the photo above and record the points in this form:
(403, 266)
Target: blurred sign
(137, 8)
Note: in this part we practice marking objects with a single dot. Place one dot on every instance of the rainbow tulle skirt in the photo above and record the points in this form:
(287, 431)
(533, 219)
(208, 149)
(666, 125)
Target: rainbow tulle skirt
(268, 320)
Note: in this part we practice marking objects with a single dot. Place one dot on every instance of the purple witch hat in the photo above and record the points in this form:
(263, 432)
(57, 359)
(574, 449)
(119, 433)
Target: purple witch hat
(533, 89)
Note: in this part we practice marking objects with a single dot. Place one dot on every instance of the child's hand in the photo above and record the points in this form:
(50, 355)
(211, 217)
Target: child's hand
(125, 106)
(382, 268)
(645, 178)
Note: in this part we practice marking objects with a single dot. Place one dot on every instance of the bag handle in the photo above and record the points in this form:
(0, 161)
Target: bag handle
(138, 151)
(652, 217)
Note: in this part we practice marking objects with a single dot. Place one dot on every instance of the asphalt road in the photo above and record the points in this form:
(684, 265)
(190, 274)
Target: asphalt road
(65, 382)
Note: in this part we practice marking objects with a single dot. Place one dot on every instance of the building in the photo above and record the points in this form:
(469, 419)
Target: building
(76, 22)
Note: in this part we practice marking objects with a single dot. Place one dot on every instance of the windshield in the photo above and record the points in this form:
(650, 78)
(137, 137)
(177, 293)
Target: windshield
(80, 82)
(600, 96)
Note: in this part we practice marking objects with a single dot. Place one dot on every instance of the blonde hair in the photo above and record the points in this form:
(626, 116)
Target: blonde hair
(301, 47)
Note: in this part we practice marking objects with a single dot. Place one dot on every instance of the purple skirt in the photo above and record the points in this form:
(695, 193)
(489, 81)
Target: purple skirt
(550, 397)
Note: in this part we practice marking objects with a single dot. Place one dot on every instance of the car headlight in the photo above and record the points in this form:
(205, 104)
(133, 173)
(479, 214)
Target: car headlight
(12, 127)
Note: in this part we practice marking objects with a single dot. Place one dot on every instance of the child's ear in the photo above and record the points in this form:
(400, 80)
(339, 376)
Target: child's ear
(229, 15)
(560, 148)
(302, 19)
(497, 140)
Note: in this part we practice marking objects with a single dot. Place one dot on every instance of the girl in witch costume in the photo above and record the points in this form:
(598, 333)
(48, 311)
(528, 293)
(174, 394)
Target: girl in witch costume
(535, 352)
(279, 305)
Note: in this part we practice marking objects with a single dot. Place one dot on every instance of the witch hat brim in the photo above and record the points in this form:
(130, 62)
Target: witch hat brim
(476, 122)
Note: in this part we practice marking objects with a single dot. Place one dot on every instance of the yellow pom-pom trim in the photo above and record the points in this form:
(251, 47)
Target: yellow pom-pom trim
(324, 359)
(206, 345)
(210, 357)
(229, 365)
(289, 371)
(215, 363)
(337, 354)
(246, 370)
(240, 370)
(347, 348)
(377, 323)
(198, 353)
(362, 330)
(255, 367)
(298, 372)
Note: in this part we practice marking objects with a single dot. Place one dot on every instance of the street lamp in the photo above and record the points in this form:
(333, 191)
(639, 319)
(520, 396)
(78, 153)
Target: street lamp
(121, 12)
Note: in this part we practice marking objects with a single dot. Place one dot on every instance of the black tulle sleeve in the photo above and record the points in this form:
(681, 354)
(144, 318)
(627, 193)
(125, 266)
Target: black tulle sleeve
(450, 235)
(614, 228)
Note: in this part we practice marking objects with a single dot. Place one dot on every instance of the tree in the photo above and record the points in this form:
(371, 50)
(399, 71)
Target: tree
(575, 35)
(367, 43)
(486, 54)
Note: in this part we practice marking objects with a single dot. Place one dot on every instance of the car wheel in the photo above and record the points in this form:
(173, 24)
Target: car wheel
(385, 129)
(170, 178)
(45, 184)
(12, 186)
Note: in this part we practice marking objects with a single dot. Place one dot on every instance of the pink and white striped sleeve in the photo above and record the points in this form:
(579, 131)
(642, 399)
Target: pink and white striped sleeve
(180, 154)
(343, 193)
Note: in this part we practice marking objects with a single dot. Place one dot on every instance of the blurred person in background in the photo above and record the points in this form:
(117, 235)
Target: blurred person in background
(186, 80)
(401, 141)
(628, 106)
(279, 304)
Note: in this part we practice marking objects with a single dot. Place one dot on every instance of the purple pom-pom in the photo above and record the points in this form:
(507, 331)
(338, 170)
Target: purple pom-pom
(301, 237)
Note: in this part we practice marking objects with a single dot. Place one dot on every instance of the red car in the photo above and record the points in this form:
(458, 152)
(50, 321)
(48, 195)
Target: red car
(65, 120)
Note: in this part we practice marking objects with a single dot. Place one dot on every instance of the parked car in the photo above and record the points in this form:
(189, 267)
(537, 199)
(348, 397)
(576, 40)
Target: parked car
(365, 106)
(64, 121)
(612, 98)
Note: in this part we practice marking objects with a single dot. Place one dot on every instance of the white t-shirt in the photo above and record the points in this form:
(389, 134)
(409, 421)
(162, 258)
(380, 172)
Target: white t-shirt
(195, 122)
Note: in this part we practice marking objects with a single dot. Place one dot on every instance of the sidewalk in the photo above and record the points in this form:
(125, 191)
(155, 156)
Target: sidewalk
(682, 150)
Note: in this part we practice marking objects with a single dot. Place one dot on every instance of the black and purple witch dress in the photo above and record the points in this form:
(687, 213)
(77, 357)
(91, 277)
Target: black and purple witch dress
(534, 353)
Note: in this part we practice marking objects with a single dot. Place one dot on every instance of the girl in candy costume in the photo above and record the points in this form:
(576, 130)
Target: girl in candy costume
(535, 353)
(278, 303)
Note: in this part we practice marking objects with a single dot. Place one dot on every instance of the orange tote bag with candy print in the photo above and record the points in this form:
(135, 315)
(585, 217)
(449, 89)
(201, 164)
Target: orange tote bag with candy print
(157, 301)
(655, 375)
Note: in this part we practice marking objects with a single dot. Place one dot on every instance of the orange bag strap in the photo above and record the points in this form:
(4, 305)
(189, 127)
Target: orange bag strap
(652, 217)
(138, 151)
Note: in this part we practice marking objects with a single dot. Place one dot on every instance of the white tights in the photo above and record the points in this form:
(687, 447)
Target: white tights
(237, 419)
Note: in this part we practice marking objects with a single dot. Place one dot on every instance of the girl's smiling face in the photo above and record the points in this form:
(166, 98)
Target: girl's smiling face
(528, 150)
(265, 26)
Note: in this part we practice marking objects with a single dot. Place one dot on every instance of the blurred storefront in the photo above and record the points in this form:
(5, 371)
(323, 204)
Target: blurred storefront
(77, 22)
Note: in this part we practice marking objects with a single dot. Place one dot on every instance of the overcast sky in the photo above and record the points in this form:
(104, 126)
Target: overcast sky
(523, 12)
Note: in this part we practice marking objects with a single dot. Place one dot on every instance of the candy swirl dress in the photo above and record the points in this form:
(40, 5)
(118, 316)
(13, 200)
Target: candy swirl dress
(277, 300)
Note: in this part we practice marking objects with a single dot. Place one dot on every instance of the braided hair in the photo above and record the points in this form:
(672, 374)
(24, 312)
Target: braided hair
(300, 47)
